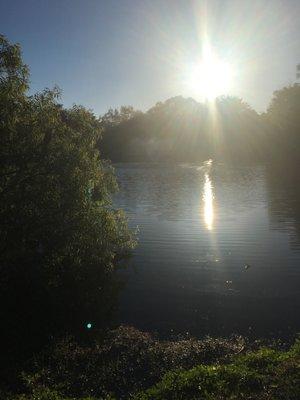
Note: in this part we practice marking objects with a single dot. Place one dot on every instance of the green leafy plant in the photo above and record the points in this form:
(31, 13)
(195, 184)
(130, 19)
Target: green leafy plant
(61, 238)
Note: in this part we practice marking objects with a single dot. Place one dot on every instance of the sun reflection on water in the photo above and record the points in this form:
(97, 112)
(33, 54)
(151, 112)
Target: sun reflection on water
(208, 197)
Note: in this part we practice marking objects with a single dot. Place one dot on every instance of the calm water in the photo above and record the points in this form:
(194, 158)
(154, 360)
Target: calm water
(218, 250)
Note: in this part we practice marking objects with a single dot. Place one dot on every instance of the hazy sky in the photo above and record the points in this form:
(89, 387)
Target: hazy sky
(112, 53)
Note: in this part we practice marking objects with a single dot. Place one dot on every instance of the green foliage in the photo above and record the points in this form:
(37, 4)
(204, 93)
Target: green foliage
(184, 130)
(48, 394)
(128, 364)
(125, 362)
(60, 235)
(44, 394)
(283, 118)
(266, 374)
(13, 73)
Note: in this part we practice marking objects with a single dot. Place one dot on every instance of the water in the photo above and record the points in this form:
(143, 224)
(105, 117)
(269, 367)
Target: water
(218, 249)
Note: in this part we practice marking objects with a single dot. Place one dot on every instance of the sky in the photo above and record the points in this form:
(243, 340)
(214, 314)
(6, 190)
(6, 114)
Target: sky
(108, 53)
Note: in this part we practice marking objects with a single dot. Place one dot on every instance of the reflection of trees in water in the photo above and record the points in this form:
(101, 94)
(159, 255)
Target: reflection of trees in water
(283, 192)
(162, 190)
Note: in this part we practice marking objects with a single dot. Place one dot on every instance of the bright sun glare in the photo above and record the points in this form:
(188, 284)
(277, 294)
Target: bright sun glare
(210, 77)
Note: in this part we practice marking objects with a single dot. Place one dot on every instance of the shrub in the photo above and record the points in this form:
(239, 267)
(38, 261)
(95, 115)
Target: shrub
(265, 374)
(124, 362)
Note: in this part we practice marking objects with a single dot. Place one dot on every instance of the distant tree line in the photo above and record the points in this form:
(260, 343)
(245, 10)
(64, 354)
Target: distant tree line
(181, 129)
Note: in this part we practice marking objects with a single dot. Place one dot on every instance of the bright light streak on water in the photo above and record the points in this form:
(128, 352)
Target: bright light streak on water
(208, 198)
(199, 225)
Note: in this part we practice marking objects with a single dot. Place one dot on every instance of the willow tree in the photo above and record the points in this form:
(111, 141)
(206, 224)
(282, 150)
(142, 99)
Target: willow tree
(60, 236)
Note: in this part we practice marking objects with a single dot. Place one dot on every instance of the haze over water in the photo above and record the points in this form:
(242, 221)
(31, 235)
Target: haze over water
(218, 250)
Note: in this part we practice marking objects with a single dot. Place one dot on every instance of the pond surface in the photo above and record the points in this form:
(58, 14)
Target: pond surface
(218, 250)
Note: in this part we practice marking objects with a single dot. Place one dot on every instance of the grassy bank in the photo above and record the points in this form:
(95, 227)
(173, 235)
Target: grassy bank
(264, 374)
(129, 364)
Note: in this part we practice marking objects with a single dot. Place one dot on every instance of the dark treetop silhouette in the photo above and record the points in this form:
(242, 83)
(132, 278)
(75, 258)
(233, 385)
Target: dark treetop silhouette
(60, 236)
(184, 130)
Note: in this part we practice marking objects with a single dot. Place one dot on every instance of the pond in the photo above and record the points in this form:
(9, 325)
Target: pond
(218, 249)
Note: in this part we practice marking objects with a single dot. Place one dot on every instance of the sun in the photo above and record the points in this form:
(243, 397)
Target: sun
(210, 77)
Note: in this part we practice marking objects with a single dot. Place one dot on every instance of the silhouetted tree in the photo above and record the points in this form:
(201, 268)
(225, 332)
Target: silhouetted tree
(60, 237)
(239, 131)
(283, 117)
(182, 129)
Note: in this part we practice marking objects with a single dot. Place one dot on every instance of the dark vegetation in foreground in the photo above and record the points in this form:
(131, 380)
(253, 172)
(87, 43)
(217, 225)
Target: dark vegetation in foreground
(129, 364)
(61, 240)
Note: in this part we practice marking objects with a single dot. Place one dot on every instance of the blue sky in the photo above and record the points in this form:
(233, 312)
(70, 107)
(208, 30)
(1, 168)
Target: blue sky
(110, 53)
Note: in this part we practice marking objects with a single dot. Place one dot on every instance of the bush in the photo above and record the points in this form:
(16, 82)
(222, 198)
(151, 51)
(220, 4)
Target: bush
(266, 375)
(124, 362)
(129, 364)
